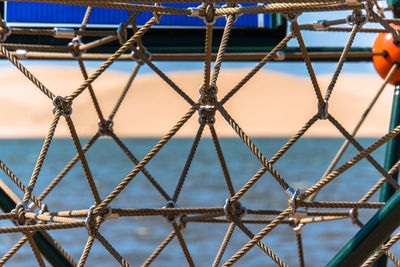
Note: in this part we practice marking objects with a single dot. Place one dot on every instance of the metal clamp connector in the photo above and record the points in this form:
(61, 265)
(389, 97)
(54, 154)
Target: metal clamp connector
(297, 228)
(74, 46)
(4, 35)
(156, 15)
(323, 112)
(236, 15)
(234, 210)
(122, 33)
(292, 17)
(292, 195)
(139, 56)
(280, 56)
(319, 25)
(170, 218)
(205, 12)
(90, 223)
(64, 33)
(21, 53)
(355, 18)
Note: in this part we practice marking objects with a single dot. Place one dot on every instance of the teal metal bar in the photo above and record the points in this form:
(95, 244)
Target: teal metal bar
(385, 221)
(52, 255)
(391, 157)
(371, 236)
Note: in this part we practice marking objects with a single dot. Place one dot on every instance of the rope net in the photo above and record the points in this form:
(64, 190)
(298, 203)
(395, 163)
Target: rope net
(33, 215)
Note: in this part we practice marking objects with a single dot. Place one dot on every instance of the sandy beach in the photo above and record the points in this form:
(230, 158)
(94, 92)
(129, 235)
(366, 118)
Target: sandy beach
(271, 104)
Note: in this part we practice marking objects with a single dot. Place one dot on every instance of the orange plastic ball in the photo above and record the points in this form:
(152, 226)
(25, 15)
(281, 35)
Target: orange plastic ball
(390, 54)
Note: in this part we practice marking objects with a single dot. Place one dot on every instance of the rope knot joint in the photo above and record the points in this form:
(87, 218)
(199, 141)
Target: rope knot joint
(122, 33)
(292, 195)
(207, 115)
(141, 56)
(75, 47)
(234, 210)
(208, 97)
(157, 16)
(105, 127)
(170, 218)
(20, 210)
(60, 102)
(323, 110)
(205, 12)
(5, 32)
(90, 222)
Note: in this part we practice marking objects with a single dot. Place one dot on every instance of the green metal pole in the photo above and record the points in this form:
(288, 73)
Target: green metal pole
(385, 221)
(371, 236)
(52, 255)
(391, 157)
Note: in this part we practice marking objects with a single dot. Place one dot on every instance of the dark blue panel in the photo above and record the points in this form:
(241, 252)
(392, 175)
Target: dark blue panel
(28, 12)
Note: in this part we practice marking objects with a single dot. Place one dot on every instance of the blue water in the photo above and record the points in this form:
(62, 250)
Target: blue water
(136, 238)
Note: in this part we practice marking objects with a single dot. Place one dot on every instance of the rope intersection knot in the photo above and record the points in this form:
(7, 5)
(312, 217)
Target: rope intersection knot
(323, 110)
(90, 222)
(105, 127)
(234, 210)
(169, 217)
(207, 116)
(208, 97)
(75, 47)
(60, 103)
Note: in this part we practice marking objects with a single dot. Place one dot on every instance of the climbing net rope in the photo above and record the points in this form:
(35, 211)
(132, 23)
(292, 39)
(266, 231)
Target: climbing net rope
(31, 216)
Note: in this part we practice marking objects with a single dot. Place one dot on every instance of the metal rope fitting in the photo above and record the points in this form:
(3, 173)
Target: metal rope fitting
(90, 222)
(205, 12)
(280, 56)
(292, 195)
(60, 103)
(355, 18)
(207, 115)
(208, 98)
(234, 210)
(170, 218)
(323, 112)
(157, 16)
(236, 16)
(182, 222)
(74, 47)
(139, 55)
(354, 216)
(6, 33)
(292, 17)
(297, 228)
(122, 34)
(319, 25)
(105, 127)
(21, 53)
(64, 33)
(109, 215)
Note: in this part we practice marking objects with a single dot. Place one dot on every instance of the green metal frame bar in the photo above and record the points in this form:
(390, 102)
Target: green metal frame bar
(52, 255)
(391, 157)
(385, 221)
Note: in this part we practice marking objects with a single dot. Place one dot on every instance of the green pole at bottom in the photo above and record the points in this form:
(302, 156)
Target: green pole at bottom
(385, 221)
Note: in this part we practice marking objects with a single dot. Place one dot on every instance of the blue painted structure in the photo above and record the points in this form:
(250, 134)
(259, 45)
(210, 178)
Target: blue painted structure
(45, 13)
